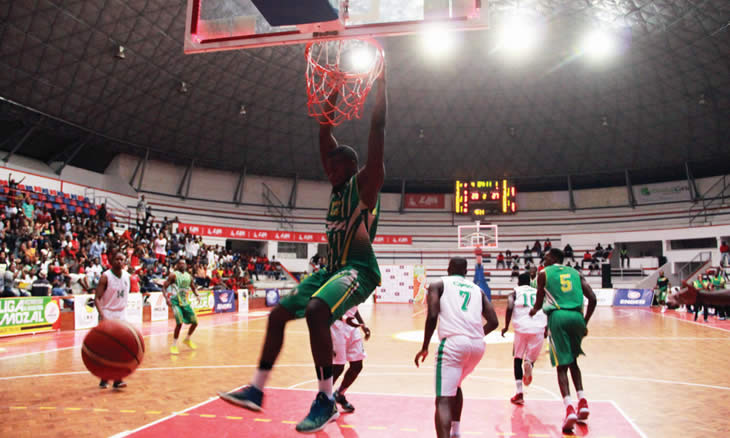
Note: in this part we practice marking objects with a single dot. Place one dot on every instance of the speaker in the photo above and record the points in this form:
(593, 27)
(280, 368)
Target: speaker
(606, 276)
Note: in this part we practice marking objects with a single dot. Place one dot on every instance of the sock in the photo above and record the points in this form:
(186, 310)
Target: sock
(262, 375)
(174, 342)
(518, 384)
(325, 381)
(581, 394)
(187, 338)
(567, 401)
(455, 428)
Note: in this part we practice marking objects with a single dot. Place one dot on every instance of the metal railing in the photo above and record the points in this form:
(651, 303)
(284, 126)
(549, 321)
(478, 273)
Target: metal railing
(698, 210)
(689, 269)
(277, 208)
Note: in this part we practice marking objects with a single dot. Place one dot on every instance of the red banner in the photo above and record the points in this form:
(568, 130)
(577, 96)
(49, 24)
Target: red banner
(279, 236)
(433, 201)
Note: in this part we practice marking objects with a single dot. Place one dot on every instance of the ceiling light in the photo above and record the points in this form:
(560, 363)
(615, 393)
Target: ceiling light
(604, 121)
(120, 52)
(242, 110)
(517, 35)
(421, 135)
(183, 87)
(598, 45)
(702, 99)
(361, 59)
(437, 40)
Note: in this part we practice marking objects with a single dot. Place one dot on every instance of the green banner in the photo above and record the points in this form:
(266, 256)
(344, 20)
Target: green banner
(29, 315)
(203, 305)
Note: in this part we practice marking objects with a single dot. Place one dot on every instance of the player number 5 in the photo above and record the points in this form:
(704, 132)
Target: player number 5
(565, 284)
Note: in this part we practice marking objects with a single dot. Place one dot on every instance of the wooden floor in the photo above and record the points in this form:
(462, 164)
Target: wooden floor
(668, 375)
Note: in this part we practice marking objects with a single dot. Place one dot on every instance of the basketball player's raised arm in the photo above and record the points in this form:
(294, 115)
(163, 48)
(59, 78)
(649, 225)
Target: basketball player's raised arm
(327, 141)
(588, 293)
(99, 293)
(540, 296)
(434, 307)
(371, 177)
(508, 313)
(489, 315)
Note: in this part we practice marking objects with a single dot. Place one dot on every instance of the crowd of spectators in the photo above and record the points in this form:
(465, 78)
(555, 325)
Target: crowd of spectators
(57, 252)
(533, 256)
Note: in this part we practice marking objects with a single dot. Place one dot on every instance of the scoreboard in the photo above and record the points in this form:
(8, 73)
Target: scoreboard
(480, 198)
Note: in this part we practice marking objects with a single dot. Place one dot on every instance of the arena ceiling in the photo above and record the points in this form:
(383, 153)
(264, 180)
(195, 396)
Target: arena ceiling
(661, 102)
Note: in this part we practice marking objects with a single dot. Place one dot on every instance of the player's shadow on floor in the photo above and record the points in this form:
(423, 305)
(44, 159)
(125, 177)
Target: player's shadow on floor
(524, 424)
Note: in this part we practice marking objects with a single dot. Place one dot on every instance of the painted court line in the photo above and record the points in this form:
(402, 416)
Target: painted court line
(631, 422)
(664, 315)
(128, 432)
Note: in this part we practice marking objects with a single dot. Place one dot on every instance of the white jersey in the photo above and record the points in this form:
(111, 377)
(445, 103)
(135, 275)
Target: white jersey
(524, 300)
(460, 311)
(117, 292)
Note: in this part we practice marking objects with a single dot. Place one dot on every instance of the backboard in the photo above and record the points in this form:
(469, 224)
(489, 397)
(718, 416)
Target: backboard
(477, 235)
(213, 25)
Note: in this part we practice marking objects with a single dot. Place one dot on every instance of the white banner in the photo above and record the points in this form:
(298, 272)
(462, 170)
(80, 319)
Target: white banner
(85, 316)
(134, 308)
(159, 307)
(662, 192)
(604, 297)
(396, 284)
(243, 301)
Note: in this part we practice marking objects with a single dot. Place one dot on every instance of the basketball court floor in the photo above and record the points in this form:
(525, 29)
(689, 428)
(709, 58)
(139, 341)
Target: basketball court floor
(646, 374)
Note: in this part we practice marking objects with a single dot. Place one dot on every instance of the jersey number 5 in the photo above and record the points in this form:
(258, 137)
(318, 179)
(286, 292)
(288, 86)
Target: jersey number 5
(565, 284)
(467, 297)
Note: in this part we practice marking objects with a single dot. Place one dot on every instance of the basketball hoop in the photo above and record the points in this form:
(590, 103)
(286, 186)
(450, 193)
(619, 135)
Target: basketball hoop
(349, 66)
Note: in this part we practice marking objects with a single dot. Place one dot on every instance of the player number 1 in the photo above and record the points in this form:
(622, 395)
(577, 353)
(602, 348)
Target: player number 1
(467, 296)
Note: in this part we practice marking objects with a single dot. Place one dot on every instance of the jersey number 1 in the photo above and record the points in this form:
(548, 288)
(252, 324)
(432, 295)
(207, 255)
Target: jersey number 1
(467, 297)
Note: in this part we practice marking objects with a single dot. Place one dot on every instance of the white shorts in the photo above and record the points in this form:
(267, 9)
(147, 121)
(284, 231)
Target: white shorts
(528, 346)
(118, 315)
(347, 343)
(456, 358)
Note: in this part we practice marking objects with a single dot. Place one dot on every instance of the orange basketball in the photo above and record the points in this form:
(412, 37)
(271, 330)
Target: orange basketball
(113, 350)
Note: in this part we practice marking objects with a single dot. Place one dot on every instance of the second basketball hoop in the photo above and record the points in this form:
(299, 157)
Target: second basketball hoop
(349, 66)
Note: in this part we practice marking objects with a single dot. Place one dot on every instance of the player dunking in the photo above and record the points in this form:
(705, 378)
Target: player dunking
(458, 306)
(348, 347)
(564, 288)
(530, 333)
(182, 282)
(352, 271)
(111, 296)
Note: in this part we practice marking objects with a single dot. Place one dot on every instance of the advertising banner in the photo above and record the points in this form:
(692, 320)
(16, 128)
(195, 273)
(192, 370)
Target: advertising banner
(85, 315)
(29, 315)
(272, 297)
(662, 192)
(203, 305)
(396, 284)
(420, 287)
(242, 301)
(159, 311)
(134, 308)
(280, 236)
(224, 301)
(633, 297)
(604, 297)
(431, 201)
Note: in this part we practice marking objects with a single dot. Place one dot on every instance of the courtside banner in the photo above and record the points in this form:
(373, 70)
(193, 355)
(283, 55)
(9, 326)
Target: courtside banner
(280, 236)
(633, 297)
(224, 301)
(419, 284)
(203, 305)
(396, 284)
(29, 315)
(604, 297)
(242, 301)
(134, 308)
(85, 315)
(272, 297)
(159, 307)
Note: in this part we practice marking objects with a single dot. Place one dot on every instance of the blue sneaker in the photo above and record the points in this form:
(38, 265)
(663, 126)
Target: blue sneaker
(248, 397)
(323, 411)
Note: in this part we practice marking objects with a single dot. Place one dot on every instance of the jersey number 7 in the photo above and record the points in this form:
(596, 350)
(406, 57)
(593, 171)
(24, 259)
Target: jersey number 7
(467, 296)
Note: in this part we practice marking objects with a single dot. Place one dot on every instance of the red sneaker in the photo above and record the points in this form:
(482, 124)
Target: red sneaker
(583, 410)
(570, 419)
(517, 399)
(527, 372)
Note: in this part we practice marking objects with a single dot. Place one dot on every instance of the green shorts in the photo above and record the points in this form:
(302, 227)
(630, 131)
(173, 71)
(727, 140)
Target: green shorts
(662, 296)
(183, 314)
(567, 329)
(342, 290)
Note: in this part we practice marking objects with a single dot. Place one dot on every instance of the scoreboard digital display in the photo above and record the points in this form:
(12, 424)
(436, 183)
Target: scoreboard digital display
(480, 198)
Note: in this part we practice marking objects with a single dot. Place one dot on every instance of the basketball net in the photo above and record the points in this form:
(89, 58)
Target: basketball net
(348, 66)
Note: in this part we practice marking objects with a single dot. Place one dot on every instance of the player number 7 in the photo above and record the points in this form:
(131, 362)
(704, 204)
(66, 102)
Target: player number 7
(467, 297)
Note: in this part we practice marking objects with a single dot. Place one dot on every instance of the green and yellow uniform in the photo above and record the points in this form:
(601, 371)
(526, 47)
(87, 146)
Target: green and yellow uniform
(564, 308)
(181, 307)
(717, 282)
(533, 282)
(662, 284)
(352, 271)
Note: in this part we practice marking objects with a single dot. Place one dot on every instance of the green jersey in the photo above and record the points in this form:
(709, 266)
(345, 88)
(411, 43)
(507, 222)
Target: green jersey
(717, 282)
(533, 282)
(662, 283)
(563, 290)
(182, 287)
(351, 229)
